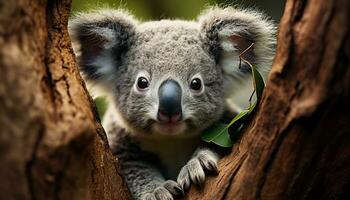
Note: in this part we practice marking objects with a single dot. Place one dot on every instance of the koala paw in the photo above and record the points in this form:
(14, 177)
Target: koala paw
(166, 191)
(194, 170)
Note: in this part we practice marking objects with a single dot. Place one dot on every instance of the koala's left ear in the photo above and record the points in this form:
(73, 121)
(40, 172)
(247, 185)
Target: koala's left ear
(230, 31)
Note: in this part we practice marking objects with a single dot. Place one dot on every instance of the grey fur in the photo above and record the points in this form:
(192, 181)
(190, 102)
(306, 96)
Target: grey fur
(114, 49)
(204, 160)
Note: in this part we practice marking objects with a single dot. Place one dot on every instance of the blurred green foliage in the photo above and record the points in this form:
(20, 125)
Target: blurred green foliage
(182, 9)
(101, 104)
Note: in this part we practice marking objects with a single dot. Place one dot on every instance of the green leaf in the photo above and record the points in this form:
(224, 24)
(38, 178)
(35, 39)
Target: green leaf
(223, 139)
(239, 117)
(258, 83)
(237, 122)
(218, 134)
(221, 134)
(252, 107)
(209, 134)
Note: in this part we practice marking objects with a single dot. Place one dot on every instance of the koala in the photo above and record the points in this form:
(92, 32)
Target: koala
(166, 82)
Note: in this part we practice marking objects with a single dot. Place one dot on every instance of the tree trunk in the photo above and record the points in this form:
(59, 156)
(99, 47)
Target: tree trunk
(52, 144)
(298, 144)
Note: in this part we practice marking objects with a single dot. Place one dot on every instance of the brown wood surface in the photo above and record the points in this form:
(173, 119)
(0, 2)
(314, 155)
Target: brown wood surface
(52, 146)
(298, 145)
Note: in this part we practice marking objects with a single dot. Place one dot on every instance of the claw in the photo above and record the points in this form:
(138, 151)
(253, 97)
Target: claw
(184, 179)
(174, 188)
(164, 192)
(194, 170)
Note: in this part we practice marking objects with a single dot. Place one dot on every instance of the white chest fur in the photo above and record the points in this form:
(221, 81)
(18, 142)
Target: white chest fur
(172, 152)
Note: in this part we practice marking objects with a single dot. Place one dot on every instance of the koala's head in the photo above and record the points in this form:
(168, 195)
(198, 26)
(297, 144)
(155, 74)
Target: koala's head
(172, 77)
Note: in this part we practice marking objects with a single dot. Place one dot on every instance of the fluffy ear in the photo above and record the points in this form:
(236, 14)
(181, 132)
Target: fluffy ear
(99, 40)
(228, 32)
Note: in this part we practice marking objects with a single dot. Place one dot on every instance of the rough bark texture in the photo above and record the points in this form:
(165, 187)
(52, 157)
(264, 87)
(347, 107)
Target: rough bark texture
(52, 146)
(298, 145)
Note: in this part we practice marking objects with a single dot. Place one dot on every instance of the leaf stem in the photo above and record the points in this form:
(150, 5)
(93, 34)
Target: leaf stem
(251, 97)
(245, 51)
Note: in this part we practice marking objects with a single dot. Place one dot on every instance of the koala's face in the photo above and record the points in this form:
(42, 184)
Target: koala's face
(172, 84)
(171, 77)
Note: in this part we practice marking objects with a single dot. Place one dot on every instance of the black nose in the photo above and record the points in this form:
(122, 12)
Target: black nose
(169, 101)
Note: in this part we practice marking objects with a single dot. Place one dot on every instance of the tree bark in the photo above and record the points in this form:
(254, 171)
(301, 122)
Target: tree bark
(52, 144)
(298, 144)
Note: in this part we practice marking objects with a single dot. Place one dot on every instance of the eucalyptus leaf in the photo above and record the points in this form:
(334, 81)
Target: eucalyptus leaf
(218, 134)
(239, 117)
(252, 107)
(237, 122)
(258, 82)
(209, 134)
(214, 131)
(223, 139)
(221, 134)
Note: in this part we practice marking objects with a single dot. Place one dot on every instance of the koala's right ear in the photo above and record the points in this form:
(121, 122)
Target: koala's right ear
(99, 40)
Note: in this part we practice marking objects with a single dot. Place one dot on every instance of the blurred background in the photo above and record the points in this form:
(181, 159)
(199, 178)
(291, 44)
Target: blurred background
(183, 9)
(146, 10)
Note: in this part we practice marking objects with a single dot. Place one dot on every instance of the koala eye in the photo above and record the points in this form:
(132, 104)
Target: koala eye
(142, 83)
(196, 84)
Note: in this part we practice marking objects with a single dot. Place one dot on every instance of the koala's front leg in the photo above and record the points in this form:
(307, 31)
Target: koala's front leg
(140, 169)
(147, 183)
(204, 160)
